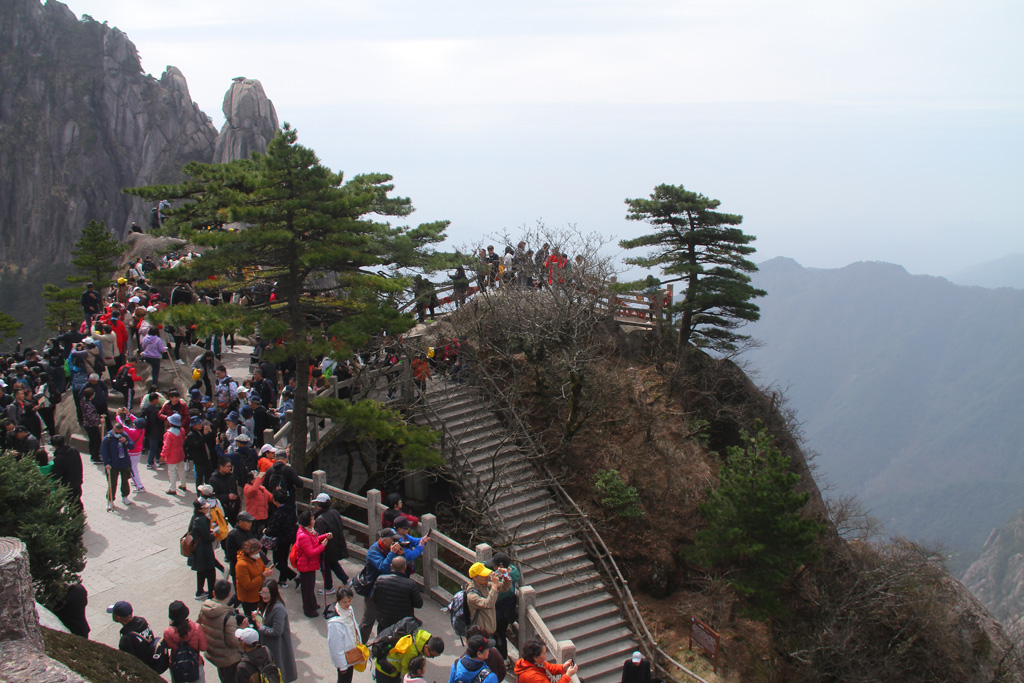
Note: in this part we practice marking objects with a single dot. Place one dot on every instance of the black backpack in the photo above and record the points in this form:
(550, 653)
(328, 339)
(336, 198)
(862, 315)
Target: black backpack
(150, 650)
(458, 612)
(122, 380)
(185, 663)
(389, 637)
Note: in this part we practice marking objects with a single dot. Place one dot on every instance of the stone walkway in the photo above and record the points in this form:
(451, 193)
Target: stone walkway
(133, 556)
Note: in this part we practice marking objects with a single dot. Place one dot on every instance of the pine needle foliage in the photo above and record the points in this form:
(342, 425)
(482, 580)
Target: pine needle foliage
(755, 526)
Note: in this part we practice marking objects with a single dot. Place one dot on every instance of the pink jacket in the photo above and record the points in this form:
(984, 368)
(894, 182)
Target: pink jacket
(309, 550)
(257, 500)
(135, 435)
(173, 451)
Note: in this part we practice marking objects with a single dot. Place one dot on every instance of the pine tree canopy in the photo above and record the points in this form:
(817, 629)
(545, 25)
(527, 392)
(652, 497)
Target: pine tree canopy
(703, 248)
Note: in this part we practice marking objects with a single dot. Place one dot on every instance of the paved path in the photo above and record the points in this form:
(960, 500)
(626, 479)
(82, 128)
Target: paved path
(133, 556)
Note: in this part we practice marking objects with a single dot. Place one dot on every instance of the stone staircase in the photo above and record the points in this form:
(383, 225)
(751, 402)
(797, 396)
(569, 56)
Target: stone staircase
(502, 482)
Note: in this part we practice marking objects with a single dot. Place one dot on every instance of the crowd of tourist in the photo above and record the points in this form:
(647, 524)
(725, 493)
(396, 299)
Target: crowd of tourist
(248, 539)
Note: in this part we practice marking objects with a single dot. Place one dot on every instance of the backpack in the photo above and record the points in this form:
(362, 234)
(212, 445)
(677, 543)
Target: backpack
(274, 477)
(458, 612)
(184, 664)
(122, 380)
(267, 673)
(389, 637)
(363, 584)
(150, 650)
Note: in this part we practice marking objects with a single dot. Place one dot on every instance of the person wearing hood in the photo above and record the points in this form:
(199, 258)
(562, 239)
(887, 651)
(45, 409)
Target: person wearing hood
(117, 463)
(136, 636)
(254, 657)
(471, 665)
(219, 622)
(342, 633)
(533, 666)
(173, 453)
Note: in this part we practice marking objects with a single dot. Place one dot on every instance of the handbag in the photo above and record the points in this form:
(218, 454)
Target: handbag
(187, 544)
(268, 542)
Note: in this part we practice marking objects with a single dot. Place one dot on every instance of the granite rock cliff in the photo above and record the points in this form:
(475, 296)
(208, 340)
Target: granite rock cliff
(79, 120)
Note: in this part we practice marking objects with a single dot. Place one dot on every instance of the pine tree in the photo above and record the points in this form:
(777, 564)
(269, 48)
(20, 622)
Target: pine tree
(313, 237)
(8, 327)
(37, 512)
(754, 522)
(701, 246)
(96, 255)
(63, 307)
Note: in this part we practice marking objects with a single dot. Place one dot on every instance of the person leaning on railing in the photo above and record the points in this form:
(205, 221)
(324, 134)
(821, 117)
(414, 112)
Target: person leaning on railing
(533, 667)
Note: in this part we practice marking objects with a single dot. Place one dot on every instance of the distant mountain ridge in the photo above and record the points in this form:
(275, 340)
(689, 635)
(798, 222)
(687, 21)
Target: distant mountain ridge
(908, 386)
(1007, 271)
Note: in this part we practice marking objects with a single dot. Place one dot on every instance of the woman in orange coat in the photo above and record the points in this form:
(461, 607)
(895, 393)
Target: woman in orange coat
(534, 666)
(250, 573)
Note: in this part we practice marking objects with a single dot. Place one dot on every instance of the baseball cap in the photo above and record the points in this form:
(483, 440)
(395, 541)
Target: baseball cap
(401, 522)
(637, 657)
(120, 609)
(249, 636)
(206, 490)
(477, 644)
(478, 569)
(323, 498)
(245, 517)
(387, 532)
(267, 448)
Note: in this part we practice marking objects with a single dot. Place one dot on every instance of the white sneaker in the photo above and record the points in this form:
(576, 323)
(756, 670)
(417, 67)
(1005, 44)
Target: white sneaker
(110, 506)
(125, 501)
(329, 591)
(180, 362)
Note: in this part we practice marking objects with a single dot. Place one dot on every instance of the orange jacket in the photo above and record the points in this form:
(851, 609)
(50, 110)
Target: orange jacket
(249, 577)
(532, 673)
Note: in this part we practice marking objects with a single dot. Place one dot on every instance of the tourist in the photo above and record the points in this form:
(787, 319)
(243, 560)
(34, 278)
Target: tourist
(533, 665)
(184, 630)
(219, 623)
(636, 669)
(393, 667)
(67, 468)
(272, 623)
(310, 546)
(471, 667)
(135, 428)
(173, 453)
(329, 519)
(116, 463)
(395, 595)
(137, 638)
(482, 594)
(254, 657)
(91, 422)
(282, 527)
(153, 350)
(506, 607)
(250, 573)
(202, 561)
(343, 634)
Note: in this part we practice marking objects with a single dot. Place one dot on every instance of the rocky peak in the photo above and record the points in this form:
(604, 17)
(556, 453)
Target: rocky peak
(997, 577)
(250, 121)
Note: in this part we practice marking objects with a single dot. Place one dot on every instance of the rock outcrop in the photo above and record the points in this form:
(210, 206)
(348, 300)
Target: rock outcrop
(21, 642)
(250, 121)
(78, 122)
(997, 577)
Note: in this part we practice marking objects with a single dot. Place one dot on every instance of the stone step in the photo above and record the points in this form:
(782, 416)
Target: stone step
(597, 633)
(604, 662)
(536, 553)
(570, 615)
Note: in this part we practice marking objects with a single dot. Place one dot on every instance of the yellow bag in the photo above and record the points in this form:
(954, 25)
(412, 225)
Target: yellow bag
(197, 374)
(430, 352)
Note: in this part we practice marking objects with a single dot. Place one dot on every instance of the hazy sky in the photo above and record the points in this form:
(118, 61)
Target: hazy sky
(842, 131)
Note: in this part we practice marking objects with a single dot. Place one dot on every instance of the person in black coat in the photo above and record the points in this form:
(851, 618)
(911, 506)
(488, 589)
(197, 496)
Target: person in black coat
(395, 595)
(225, 487)
(282, 525)
(329, 520)
(202, 562)
(71, 610)
(67, 468)
(197, 453)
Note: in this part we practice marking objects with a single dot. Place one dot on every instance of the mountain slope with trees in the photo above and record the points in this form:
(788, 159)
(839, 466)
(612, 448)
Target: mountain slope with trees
(907, 386)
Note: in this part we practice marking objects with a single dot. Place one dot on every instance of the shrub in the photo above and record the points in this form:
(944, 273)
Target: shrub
(34, 510)
(617, 496)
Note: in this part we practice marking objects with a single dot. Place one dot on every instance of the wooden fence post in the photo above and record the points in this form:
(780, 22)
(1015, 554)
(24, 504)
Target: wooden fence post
(373, 515)
(527, 599)
(483, 552)
(428, 522)
(319, 481)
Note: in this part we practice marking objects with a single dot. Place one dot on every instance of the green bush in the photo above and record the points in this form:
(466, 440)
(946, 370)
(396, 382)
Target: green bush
(35, 510)
(617, 496)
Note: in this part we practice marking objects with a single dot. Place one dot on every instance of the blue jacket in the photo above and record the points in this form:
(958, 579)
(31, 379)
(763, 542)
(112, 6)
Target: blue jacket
(466, 669)
(114, 453)
(377, 561)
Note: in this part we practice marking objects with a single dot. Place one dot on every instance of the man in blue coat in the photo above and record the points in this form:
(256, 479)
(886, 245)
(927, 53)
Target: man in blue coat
(378, 562)
(114, 452)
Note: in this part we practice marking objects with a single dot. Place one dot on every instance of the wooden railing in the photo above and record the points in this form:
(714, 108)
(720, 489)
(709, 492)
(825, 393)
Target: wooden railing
(431, 567)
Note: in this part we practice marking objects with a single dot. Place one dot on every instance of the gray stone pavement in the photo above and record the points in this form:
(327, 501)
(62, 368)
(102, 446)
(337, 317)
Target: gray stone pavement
(133, 555)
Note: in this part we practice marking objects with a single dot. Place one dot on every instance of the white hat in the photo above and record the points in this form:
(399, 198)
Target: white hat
(323, 498)
(267, 448)
(134, 300)
(151, 309)
(637, 657)
(249, 636)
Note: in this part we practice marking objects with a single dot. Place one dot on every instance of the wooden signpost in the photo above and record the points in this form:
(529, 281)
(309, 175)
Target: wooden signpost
(706, 639)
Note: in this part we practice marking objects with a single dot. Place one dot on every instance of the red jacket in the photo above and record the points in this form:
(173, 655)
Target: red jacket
(169, 410)
(309, 549)
(257, 499)
(173, 450)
